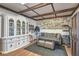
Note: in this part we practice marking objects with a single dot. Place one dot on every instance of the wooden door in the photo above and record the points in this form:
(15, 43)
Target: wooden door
(74, 35)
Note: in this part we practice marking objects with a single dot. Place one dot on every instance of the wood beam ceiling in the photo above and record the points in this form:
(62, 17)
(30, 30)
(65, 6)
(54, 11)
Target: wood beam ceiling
(57, 12)
(53, 9)
(33, 11)
(15, 11)
(55, 17)
(46, 14)
(34, 7)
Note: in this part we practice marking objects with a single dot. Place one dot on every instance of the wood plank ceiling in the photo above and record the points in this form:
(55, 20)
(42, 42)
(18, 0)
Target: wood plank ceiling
(41, 11)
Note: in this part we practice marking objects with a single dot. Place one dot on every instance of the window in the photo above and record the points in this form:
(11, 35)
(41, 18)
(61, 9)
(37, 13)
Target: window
(23, 27)
(18, 27)
(11, 27)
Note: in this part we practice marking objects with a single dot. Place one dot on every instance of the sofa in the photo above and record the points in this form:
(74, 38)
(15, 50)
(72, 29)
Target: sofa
(48, 40)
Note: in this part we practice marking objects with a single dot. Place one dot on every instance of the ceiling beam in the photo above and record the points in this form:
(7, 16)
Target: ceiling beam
(53, 8)
(8, 8)
(57, 12)
(34, 7)
(15, 11)
(55, 17)
(33, 11)
(25, 10)
(75, 9)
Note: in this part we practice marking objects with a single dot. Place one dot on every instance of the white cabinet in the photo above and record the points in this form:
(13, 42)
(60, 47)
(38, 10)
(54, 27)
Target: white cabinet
(15, 33)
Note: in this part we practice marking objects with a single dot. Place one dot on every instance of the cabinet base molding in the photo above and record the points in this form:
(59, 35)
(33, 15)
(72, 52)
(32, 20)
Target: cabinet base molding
(5, 52)
(24, 46)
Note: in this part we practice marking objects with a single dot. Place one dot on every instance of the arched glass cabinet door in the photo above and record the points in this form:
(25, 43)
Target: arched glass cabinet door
(23, 27)
(11, 27)
(18, 28)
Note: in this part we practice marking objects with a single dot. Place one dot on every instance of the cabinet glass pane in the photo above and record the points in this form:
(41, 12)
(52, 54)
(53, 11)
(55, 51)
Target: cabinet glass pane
(18, 30)
(11, 27)
(23, 27)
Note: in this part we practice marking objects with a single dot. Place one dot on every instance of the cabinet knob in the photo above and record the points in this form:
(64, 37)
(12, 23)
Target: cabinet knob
(11, 45)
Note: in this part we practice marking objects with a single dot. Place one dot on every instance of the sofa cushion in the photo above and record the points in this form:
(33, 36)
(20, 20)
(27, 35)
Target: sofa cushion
(49, 44)
(41, 42)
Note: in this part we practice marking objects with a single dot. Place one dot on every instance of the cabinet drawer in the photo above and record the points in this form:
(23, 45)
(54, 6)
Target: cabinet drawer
(18, 43)
(23, 40)
(10, 46)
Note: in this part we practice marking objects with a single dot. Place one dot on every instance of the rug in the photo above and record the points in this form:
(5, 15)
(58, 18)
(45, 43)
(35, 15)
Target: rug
(58, 51)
